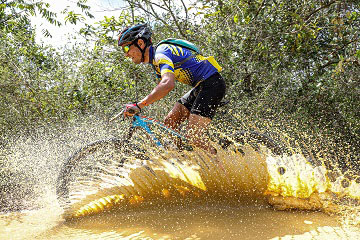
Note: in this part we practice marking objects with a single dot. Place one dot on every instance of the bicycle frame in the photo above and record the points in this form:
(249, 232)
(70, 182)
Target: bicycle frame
(145, 122)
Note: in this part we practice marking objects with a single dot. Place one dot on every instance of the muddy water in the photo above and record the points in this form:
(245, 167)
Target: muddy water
(193, 197)
(190, 221)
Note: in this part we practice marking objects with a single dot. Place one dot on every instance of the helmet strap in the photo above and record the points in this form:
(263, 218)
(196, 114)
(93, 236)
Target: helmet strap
(147, 43)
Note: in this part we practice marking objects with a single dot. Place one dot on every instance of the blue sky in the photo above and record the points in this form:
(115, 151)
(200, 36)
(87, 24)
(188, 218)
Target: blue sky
(99, 8)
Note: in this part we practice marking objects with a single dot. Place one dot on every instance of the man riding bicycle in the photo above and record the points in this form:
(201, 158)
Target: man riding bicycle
(171, 63)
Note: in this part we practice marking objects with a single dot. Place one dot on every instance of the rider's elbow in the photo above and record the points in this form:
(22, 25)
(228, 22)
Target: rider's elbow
(170, 85)
(168, 81)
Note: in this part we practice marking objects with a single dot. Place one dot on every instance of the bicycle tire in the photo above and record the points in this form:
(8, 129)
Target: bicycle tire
(92, 160)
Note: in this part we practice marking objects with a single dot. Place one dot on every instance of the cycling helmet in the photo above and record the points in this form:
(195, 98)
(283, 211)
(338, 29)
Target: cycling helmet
(130, 34)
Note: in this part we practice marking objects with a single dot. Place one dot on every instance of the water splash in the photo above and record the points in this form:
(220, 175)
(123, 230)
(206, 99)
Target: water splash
(297, 184)
(250, 177)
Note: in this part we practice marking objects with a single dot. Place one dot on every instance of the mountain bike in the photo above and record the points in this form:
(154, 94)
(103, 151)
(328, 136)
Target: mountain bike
(115, 157)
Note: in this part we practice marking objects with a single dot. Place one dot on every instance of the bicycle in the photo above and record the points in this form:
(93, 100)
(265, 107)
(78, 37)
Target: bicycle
(120, 155)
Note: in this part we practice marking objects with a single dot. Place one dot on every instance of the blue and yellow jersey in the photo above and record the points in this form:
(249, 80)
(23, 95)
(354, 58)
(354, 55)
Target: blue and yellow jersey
(177, 60)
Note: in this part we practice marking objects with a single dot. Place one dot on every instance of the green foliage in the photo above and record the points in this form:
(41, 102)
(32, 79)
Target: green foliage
(34, 79)
(298, 59)
(293, 54)
(16, 13)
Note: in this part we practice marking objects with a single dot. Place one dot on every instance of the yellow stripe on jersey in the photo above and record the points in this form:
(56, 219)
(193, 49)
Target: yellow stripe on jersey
(165, 61)
(181, 50)
(176, 51)
(173, 50)
(163, 71)
(211, 60)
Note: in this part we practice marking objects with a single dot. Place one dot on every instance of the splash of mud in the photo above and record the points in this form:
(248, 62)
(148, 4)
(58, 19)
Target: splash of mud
(286, 182)
(116, 204)
(297, 184)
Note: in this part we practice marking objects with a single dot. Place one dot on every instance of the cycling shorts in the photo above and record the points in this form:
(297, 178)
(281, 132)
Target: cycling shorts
(204, 99)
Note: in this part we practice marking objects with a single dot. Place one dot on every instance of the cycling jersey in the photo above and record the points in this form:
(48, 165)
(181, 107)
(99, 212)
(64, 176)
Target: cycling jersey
(178, 60)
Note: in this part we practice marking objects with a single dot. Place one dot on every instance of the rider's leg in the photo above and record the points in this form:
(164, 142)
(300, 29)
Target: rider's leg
(199, 106)
(181, 110)
(176, 116)
(205, 100)
(196, 132)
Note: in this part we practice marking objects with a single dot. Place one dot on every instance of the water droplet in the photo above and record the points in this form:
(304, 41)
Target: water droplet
(281, 170)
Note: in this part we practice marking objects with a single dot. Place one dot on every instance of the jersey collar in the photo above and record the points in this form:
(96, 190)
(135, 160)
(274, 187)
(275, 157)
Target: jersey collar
(151, 54)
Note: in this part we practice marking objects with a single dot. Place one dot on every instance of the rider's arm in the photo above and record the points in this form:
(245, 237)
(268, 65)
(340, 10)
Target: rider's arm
(166, 84)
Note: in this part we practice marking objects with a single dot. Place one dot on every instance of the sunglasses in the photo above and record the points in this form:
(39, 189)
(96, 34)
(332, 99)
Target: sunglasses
(126, 48)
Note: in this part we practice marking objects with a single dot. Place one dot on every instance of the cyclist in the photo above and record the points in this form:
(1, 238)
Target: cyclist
(171, 63)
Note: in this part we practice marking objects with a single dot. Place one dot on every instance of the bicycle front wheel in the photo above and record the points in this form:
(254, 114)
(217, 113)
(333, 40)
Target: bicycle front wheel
(95, 166)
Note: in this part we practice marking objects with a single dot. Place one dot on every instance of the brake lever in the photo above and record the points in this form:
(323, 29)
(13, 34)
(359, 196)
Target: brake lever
(122, 113)
(117, 116)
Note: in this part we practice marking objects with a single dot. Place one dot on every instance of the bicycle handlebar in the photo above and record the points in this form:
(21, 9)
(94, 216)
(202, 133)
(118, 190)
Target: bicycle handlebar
(121, 114)
(117, 116)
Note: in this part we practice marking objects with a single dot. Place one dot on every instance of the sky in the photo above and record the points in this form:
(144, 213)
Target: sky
(60, 35)
(99, 8)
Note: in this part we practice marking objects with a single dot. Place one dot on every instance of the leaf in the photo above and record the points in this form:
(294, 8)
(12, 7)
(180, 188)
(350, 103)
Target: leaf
(198, 13)
(357, 54)
(236, 18)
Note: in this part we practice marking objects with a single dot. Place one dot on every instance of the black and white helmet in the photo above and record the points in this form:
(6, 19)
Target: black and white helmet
(130, 34)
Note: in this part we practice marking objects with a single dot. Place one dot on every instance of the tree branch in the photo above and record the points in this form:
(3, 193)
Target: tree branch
(319, 9)
(186, 13)
(307, 18)
(259, 9)
(153, 13)
(174, 18)
(148, 2)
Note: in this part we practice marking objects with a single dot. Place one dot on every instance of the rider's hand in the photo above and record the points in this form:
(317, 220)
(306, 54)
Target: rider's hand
(131, 109)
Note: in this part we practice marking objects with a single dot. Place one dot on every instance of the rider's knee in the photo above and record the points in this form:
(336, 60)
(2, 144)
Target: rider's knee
(177, 114)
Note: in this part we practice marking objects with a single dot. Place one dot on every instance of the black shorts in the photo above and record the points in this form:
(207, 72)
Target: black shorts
(204, 99)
